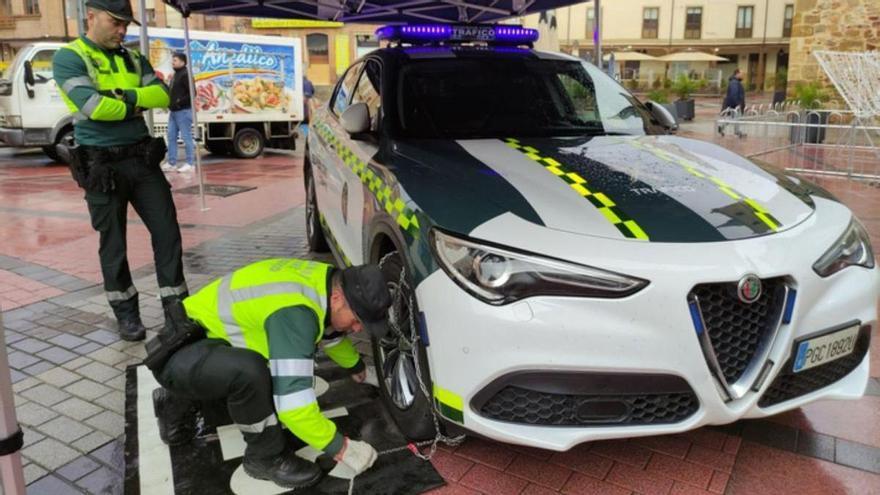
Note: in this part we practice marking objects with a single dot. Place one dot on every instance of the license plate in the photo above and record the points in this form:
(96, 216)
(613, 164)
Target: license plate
(824, 349)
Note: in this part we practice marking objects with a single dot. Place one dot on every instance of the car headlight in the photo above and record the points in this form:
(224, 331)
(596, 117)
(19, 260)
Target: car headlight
(499, 275)
(853, 248)
(13, 121)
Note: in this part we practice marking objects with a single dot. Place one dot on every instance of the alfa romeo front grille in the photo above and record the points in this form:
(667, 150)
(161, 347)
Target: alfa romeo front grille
(737, 331)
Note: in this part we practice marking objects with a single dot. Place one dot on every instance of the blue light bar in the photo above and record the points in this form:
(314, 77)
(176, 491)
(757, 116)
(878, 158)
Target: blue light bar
(789, 306)
(435, 33)
(695, 316)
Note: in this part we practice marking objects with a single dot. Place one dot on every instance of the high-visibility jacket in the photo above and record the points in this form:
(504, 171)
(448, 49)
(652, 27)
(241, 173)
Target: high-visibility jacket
(89, 94)
(279, 308)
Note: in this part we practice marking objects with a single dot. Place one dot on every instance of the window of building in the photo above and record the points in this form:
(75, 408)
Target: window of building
(151, 17)
(744, 21)
(318, 48)
(5, 8)
(786, 22)
(650, 22)
(693, 23)
(32, 7)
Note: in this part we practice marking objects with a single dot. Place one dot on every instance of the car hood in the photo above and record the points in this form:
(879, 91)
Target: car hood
(643, 188)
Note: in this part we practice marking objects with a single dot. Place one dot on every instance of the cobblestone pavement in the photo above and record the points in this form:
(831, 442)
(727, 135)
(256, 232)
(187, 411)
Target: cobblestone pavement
(68, 363)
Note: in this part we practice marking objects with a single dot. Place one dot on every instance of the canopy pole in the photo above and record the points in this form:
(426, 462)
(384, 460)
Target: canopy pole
(11, 471)
(597, 36)
(145, 51)
(195, 113)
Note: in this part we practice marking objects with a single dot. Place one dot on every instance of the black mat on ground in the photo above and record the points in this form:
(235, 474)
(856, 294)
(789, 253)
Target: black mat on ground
(200, 468)
(216, 190)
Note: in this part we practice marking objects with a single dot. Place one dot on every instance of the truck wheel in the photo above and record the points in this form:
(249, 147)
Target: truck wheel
(248, 143)
(314, 234)
(62, 137)
(395, 356)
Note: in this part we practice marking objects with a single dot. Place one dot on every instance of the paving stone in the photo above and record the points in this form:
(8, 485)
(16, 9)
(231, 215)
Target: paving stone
(20, 360)
(109, 422)
(58, 377)
(11, 336)
(52, 485)
(78, 468)
(857, 455)
(816, 445)
(31, 436)
(114, 401)
(99, 372)
(87, 389)
(103, 337)
(118, 383)
(109, 356)
(57, 355)
(80, 329)
(31, 346)
(77, 363)
(68, 341)
(77, 408)
(103, 480)
(26, 384)
(16, 376)
(139, 352)
(65, 429)
(92, 441)
(50, 453)
(131, 361)
(89, 348)
(32, 473)
(44, 333)
(111, 454)
(39, 368)
(45, 394)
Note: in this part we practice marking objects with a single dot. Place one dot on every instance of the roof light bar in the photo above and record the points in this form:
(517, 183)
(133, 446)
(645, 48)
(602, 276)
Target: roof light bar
(434, 33)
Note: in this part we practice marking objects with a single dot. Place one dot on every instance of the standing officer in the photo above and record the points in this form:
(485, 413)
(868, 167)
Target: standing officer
(107, 87)
(263, 322)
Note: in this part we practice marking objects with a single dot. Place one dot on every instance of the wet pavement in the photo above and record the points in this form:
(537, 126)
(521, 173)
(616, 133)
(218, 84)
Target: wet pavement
(68, 364)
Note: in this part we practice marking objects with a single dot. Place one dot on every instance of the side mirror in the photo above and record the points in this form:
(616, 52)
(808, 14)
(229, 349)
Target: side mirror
(666, 119)
(356, 119)
(29, 80)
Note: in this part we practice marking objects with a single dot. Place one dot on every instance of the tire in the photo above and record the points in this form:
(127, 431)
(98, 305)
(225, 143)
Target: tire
(395, 363)
(315, 236)
(62, 137)
(248, 143)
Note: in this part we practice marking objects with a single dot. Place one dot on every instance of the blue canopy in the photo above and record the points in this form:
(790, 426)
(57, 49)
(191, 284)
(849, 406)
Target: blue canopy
(373, 11)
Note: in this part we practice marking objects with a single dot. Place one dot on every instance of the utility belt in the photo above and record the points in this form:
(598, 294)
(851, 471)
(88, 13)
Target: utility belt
(91, 166)
(180, 332)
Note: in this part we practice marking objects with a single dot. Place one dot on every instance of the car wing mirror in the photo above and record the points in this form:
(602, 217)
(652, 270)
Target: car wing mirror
(356, 119)
(664, 116)
(29, 80)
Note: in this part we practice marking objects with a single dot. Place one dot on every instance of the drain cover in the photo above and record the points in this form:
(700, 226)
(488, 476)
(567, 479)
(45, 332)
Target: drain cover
(221, 190)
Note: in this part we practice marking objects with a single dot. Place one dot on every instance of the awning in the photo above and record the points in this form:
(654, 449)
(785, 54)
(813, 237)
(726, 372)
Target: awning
(630, 57)
(372, 11)
(691, 57)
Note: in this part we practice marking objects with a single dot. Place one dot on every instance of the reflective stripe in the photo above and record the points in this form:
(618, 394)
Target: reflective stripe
(74, 82)
(332, 342)
(115, 295)
(173, 291)
(259, 426)
(91, 104)
(276, 288)
(79, 117)
(224, 310)
(294, 400)
(148, 79)
(292, 367)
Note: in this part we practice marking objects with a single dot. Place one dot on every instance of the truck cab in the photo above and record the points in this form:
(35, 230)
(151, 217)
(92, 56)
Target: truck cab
(32, 112)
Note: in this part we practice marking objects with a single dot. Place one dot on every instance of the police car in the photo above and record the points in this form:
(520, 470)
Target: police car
(565, 269)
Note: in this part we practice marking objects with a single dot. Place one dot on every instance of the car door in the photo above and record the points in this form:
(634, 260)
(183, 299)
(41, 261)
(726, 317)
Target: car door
(46, 108)
(327, 164)
(355, 192)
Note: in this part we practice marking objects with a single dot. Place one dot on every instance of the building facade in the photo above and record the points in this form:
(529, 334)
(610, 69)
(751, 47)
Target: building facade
(753, 35)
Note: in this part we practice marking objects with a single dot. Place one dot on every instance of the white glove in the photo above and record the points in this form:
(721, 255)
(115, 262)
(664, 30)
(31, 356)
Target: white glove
(357, 456)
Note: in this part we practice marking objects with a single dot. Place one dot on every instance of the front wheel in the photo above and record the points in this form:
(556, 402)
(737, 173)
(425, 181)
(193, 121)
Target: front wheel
(314, 234)
(401, 360)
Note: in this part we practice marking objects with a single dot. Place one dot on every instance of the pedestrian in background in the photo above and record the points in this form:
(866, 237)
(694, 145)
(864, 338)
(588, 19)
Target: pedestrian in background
(180, 117)
(734, 103)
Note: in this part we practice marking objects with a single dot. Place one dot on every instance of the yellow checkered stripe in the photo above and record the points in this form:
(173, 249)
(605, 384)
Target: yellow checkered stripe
(626, 225)
(760, 212)
(387, 197)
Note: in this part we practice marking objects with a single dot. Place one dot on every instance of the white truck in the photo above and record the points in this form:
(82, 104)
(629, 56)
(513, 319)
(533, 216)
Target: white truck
(249, 92)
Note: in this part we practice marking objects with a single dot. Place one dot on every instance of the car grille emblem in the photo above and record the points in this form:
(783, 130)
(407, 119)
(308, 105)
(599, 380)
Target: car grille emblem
(749, 289)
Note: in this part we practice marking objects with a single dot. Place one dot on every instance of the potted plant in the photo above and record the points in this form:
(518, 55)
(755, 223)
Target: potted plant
(661, 97)
(684, 87)
(812, 96)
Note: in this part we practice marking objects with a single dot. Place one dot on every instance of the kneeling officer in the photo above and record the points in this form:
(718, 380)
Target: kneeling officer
(263, 323)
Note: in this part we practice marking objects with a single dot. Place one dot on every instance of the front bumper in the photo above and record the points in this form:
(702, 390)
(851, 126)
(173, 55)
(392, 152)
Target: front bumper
(475, 346)
(12, 137)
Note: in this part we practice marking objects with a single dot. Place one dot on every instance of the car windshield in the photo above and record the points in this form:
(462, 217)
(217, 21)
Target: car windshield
(515, 96)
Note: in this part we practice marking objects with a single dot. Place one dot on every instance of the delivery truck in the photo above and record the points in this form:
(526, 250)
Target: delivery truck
(248, 91)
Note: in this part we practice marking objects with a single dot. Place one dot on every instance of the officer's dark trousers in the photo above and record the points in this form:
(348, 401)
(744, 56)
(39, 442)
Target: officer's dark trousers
(150, 195)
(209, 370)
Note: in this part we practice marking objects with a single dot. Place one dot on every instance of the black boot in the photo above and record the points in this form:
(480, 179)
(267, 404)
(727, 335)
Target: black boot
(132, 329)
(176, 416)
(285, 470)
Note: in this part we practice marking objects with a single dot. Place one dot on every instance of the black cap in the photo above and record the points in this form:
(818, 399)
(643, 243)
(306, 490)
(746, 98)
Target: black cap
(367, 294)
(119, 9)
